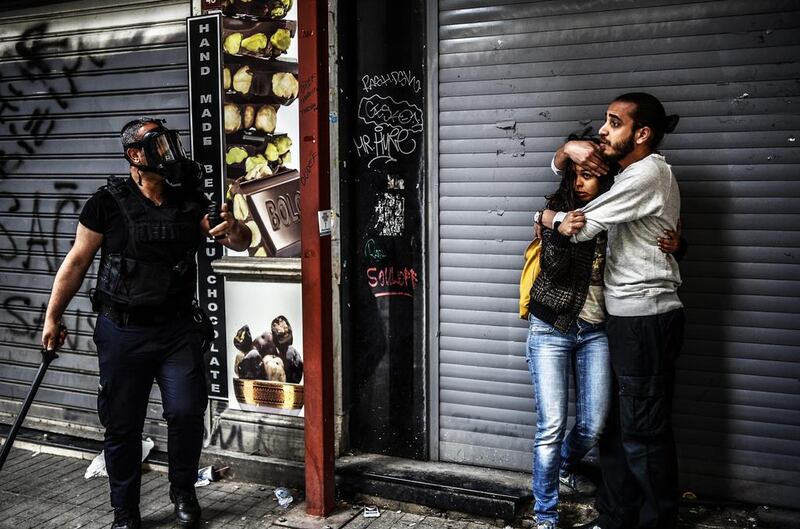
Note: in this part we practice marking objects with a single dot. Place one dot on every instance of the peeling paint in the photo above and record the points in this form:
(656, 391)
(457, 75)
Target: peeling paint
(505, 125)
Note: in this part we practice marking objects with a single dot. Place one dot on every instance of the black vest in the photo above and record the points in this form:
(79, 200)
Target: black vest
(156, 268)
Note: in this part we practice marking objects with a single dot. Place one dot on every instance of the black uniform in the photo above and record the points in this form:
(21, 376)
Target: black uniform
(146, 330)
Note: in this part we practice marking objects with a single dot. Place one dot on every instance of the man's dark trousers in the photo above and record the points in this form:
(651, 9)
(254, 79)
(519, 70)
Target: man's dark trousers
(637, 449)
(130, 358)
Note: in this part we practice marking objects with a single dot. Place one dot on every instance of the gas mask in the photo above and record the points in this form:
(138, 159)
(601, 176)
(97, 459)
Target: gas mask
(165, 156)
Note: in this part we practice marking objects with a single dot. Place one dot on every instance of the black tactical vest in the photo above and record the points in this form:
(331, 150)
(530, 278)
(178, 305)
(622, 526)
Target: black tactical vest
(156, 268)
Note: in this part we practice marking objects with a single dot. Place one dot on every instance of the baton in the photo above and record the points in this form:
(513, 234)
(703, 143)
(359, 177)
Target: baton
(47, 357)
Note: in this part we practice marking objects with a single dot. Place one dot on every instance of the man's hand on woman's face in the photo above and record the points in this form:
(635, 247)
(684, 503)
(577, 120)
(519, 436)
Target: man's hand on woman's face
(572, 223)
(587, 154)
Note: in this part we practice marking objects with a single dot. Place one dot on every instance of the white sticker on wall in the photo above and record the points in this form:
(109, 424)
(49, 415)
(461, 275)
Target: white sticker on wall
(390, 213)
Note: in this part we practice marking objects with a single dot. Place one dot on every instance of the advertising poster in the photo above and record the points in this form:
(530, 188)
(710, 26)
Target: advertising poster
(205, 105)
(265, 349)
(259, 99)
(261, 121)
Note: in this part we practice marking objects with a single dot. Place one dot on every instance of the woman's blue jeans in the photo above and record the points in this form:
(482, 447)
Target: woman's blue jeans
(550, 355)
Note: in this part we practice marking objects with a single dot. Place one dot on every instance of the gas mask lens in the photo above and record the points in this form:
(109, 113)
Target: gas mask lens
(167, 147)
(179, 145)
(162, 149)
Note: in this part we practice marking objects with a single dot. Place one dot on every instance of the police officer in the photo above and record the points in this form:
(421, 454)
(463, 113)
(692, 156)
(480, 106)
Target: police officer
(148, 228)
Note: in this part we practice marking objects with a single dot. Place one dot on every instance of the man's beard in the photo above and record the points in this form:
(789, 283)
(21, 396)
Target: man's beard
(619, 150)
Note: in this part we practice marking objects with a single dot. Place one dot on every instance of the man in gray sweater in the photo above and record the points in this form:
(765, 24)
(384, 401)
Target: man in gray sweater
(645, 324)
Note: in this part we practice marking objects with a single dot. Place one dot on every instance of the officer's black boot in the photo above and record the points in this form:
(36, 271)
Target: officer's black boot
(187, 509)
(126, 519)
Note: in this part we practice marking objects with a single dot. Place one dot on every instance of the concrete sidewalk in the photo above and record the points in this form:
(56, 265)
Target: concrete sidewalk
(43, 490)
(47, 490)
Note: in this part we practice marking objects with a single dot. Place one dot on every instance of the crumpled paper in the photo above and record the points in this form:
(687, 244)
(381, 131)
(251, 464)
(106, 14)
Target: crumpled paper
(205, 476)
(97, 468)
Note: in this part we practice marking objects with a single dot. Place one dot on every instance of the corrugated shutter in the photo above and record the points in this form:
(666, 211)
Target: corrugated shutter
(516, 78)
(72, 73)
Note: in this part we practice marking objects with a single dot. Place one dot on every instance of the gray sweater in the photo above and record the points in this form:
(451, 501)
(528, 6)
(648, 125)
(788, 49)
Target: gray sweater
(640, 279)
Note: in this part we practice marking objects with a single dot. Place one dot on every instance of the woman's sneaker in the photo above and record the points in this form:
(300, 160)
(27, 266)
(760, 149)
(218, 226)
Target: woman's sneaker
(571, 483)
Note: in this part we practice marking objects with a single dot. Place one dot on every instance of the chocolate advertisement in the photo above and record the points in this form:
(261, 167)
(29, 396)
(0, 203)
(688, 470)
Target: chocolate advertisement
(265, 349)
(204, 37)
(261, 122)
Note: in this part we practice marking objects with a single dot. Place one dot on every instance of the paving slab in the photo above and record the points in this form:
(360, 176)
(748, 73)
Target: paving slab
(48, 491)
(298, 519)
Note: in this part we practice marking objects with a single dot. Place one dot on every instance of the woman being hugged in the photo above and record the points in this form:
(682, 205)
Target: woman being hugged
(567, 316)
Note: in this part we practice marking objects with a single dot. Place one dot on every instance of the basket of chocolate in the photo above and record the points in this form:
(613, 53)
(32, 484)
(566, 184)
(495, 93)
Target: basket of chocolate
(268, 394)
(268, 369)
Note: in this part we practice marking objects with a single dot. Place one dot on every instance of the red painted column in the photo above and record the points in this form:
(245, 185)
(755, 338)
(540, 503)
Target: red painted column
(316, 256)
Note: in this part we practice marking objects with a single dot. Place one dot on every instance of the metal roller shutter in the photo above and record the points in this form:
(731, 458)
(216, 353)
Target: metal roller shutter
(514, 79)
(71, 74)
